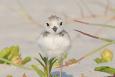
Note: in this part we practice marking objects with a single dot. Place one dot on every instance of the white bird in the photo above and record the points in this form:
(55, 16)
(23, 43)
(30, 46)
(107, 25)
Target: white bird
(54, 41)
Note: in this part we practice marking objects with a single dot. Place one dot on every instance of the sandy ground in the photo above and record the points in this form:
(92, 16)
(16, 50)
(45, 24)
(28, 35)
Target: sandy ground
(16, 29)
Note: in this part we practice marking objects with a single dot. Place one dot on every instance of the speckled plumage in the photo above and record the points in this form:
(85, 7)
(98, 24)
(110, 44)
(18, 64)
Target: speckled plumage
(54, 44)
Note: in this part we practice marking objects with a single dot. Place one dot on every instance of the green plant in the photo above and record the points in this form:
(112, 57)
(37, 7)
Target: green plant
(106, 69)
(9, 76)
(46, 65)
(11, 55)
(106, 56)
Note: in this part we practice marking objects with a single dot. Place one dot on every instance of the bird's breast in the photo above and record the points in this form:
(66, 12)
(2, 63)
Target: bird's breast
(55, 42)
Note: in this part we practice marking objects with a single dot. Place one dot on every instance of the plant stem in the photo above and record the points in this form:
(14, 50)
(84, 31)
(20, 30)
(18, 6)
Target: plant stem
(61, 65)
(92, 52)
(17, 65)
(48, 73)
(96, 50)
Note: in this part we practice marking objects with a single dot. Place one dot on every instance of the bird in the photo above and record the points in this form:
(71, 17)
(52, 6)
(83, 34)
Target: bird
(54, 40)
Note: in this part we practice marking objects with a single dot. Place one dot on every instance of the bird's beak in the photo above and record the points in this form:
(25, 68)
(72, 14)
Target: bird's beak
(54, 28)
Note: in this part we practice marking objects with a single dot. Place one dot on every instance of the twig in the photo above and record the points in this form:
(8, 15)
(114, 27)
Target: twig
(81, 8)
(94, 24)
(87, 7)
(107, 7)
(91, 53)
(96, 37)
(103, 5)
(96, 50)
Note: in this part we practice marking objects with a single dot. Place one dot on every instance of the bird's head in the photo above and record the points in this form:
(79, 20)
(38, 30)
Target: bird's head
(54, 24)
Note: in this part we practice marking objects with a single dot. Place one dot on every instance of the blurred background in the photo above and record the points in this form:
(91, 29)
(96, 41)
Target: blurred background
(21, 22)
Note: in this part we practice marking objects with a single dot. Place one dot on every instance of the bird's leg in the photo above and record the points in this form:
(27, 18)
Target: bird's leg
(61, 66)
(48, 69)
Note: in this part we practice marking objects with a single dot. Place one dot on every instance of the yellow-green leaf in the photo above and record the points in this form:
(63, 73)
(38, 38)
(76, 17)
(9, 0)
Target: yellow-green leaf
(107, 55)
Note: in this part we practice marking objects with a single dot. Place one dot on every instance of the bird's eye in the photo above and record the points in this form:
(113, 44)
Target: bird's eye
(60, 23)
(47, 24)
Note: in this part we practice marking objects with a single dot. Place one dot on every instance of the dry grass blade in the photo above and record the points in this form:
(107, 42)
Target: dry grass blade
(94, 24)
(107, 7)
(80, 7)
(25, 13)
(90, 53)
(87, 7)
(96, 37)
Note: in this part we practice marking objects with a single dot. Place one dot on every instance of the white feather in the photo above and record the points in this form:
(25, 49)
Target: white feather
(54, 45)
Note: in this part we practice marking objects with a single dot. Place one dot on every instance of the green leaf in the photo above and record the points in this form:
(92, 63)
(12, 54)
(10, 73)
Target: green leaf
(9, 76)
(26, 60)
(51, 60)
(98, 60)
(14, 52)
(41, 57)
(51, 63)
(55, 75)
(106, 56)
(40, 62)
(44, 59)
(38, 71)
(105, 69)
(65, 55)
(47, 64)
(4, 52)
